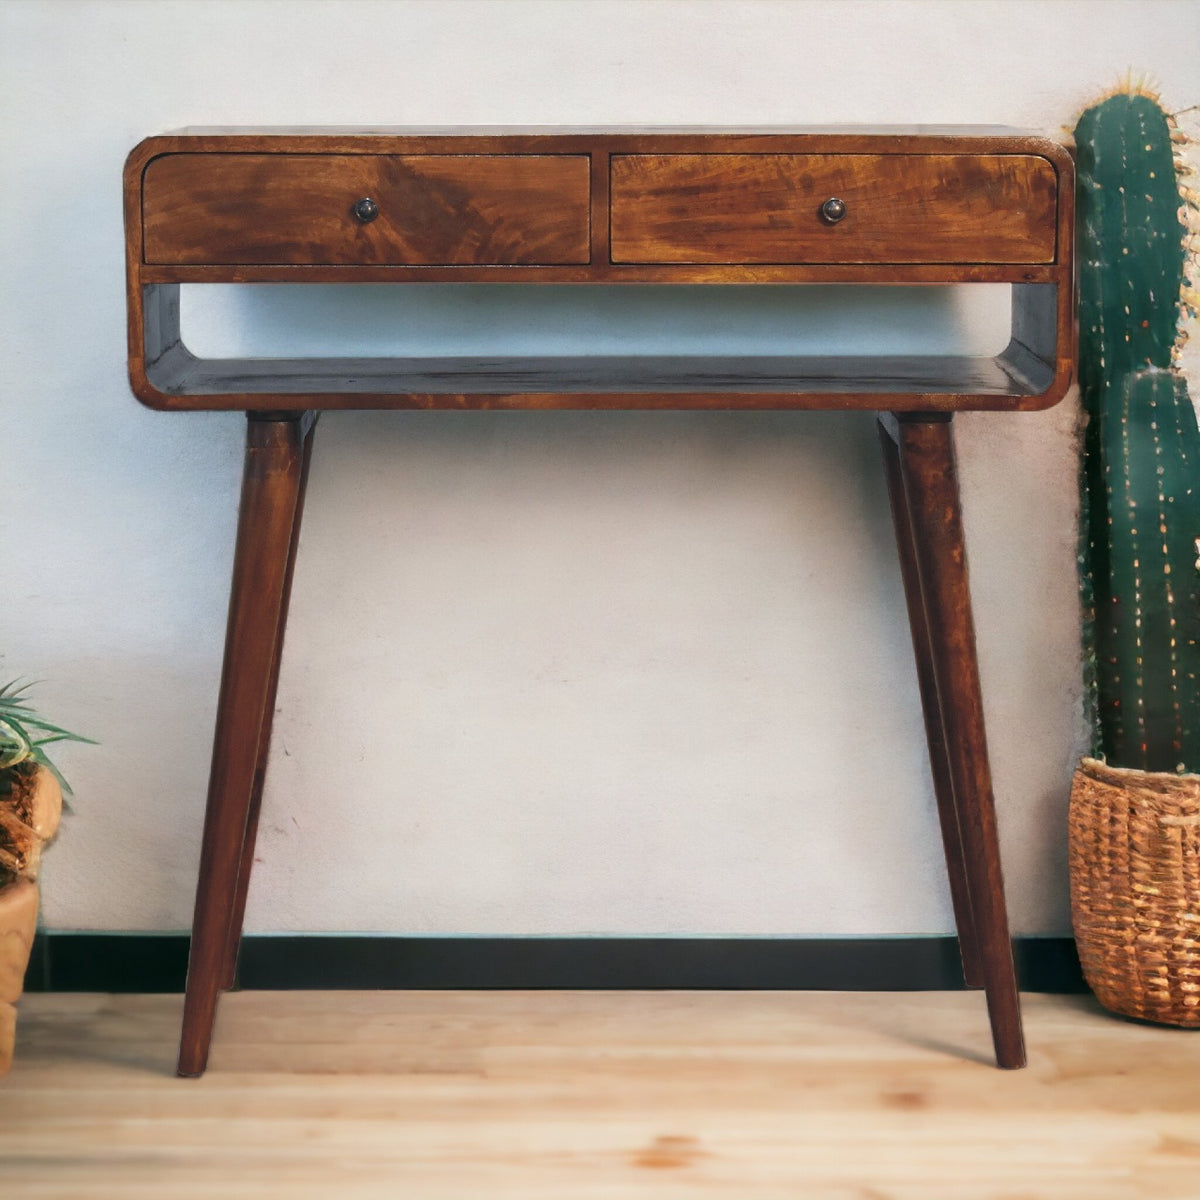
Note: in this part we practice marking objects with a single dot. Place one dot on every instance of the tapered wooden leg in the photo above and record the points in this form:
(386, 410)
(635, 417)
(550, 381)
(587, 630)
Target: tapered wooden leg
(237, 915)
(270, 490)
(926, 454)
(943, 787)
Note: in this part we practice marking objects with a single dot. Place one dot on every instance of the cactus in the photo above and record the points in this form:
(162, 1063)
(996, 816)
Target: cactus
(1141, 469)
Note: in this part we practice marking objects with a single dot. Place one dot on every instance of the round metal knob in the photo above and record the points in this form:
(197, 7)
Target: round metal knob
(366, 210)
(833, 210)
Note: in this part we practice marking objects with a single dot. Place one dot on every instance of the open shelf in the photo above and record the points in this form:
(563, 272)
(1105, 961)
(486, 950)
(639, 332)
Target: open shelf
(1022, 375)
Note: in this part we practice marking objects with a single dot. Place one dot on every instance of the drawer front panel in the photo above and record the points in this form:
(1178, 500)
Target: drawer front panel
(433, 210)
(899, 208)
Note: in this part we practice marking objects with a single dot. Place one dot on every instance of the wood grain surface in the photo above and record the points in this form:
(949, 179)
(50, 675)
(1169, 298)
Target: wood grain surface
(578, 381)
(274, 467)
(595, 1095)
(900, 208)
(228, 974)
(929, 482)
(931, 706)
(433, 209)
(933, 205)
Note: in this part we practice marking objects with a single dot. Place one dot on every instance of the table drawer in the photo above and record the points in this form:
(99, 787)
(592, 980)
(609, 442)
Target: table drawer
(899, 208)
(432, 210)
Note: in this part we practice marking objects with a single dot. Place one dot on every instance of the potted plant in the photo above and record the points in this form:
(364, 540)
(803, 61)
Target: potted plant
(31, 801)
(1134, 837)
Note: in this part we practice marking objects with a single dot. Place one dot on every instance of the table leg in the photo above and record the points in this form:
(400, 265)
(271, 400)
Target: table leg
(935, 736)
(237, 915)
(926, 457)
(270, 491)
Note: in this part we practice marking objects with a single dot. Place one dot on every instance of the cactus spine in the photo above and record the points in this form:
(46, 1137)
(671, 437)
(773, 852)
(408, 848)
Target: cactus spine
(1141, 473)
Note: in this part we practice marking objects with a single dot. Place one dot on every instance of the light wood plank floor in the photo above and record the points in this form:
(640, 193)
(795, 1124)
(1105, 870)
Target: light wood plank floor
(597, 1095)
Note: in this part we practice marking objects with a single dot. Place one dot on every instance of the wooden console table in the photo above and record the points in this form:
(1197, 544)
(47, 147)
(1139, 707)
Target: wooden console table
(595, 207)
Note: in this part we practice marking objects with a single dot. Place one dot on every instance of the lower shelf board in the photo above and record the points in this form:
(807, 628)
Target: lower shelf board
(606, 380)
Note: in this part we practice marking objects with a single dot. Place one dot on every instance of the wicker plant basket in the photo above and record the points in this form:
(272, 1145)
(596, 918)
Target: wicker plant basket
(1135, 890)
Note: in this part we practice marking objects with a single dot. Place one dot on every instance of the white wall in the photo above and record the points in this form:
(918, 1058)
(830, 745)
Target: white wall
(545, 672)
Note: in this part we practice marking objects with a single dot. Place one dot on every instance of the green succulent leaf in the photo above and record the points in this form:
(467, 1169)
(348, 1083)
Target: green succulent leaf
(24, 734)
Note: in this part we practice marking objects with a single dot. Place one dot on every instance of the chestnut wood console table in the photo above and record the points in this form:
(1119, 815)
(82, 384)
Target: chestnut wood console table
(597, 207)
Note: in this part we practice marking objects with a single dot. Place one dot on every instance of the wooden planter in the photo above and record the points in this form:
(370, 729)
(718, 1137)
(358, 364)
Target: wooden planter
(29, 815)
(18, 920)
(1135, 890)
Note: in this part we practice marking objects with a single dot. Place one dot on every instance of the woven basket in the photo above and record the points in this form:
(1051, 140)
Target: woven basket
(1135, 890)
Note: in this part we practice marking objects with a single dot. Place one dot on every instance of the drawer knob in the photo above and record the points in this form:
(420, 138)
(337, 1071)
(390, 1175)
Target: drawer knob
(366, 210)
(833, 210)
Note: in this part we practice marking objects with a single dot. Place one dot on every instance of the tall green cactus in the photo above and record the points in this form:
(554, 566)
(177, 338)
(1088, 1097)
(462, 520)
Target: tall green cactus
(1141, 476)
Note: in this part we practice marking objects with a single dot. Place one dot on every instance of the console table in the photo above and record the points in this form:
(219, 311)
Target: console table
(596, 207)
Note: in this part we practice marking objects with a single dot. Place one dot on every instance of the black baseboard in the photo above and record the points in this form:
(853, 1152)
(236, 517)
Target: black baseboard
(106, 962)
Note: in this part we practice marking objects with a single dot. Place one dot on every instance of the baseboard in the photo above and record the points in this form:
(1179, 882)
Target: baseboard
(130, 962)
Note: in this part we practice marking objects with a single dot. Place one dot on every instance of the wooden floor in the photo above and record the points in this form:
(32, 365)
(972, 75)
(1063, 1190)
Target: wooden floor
(590, 1095)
